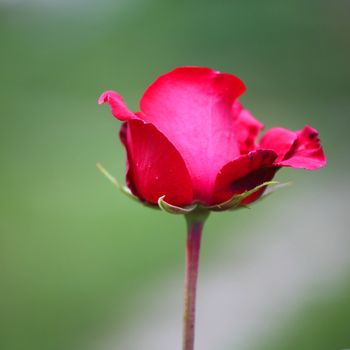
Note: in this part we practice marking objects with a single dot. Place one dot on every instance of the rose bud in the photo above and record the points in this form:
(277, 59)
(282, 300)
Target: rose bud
(193, 143)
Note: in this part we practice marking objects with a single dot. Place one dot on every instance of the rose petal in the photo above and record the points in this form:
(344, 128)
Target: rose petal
(247, 129)
(297, 149)
(118, 107)
(279, 140)
(243, 174)
(192, 106)
(306, 152)
(155, 167)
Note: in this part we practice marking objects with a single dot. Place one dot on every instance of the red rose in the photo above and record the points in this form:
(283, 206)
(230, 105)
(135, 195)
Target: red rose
(194, 142)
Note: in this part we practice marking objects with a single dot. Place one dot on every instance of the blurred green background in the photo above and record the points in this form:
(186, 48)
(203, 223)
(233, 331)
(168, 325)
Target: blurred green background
(78, 261)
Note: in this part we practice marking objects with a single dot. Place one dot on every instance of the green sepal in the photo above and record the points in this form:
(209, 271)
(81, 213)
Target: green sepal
(231, 204)
(123, 189)
(235, 201)
(275, 188)
(173, 209)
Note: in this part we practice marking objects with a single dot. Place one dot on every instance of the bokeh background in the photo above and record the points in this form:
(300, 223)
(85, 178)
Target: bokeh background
(82, 267)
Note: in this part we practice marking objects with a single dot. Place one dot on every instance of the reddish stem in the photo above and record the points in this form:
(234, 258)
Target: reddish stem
(194, 233)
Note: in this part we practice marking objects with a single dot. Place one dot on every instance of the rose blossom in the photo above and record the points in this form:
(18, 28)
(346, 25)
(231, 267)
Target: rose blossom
(193, 141)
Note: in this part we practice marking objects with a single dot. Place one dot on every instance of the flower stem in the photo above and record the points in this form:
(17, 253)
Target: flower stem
(195, 224)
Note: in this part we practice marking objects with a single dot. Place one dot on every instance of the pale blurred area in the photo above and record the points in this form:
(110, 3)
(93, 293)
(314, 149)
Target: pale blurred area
(82, 267)
(260, 288)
